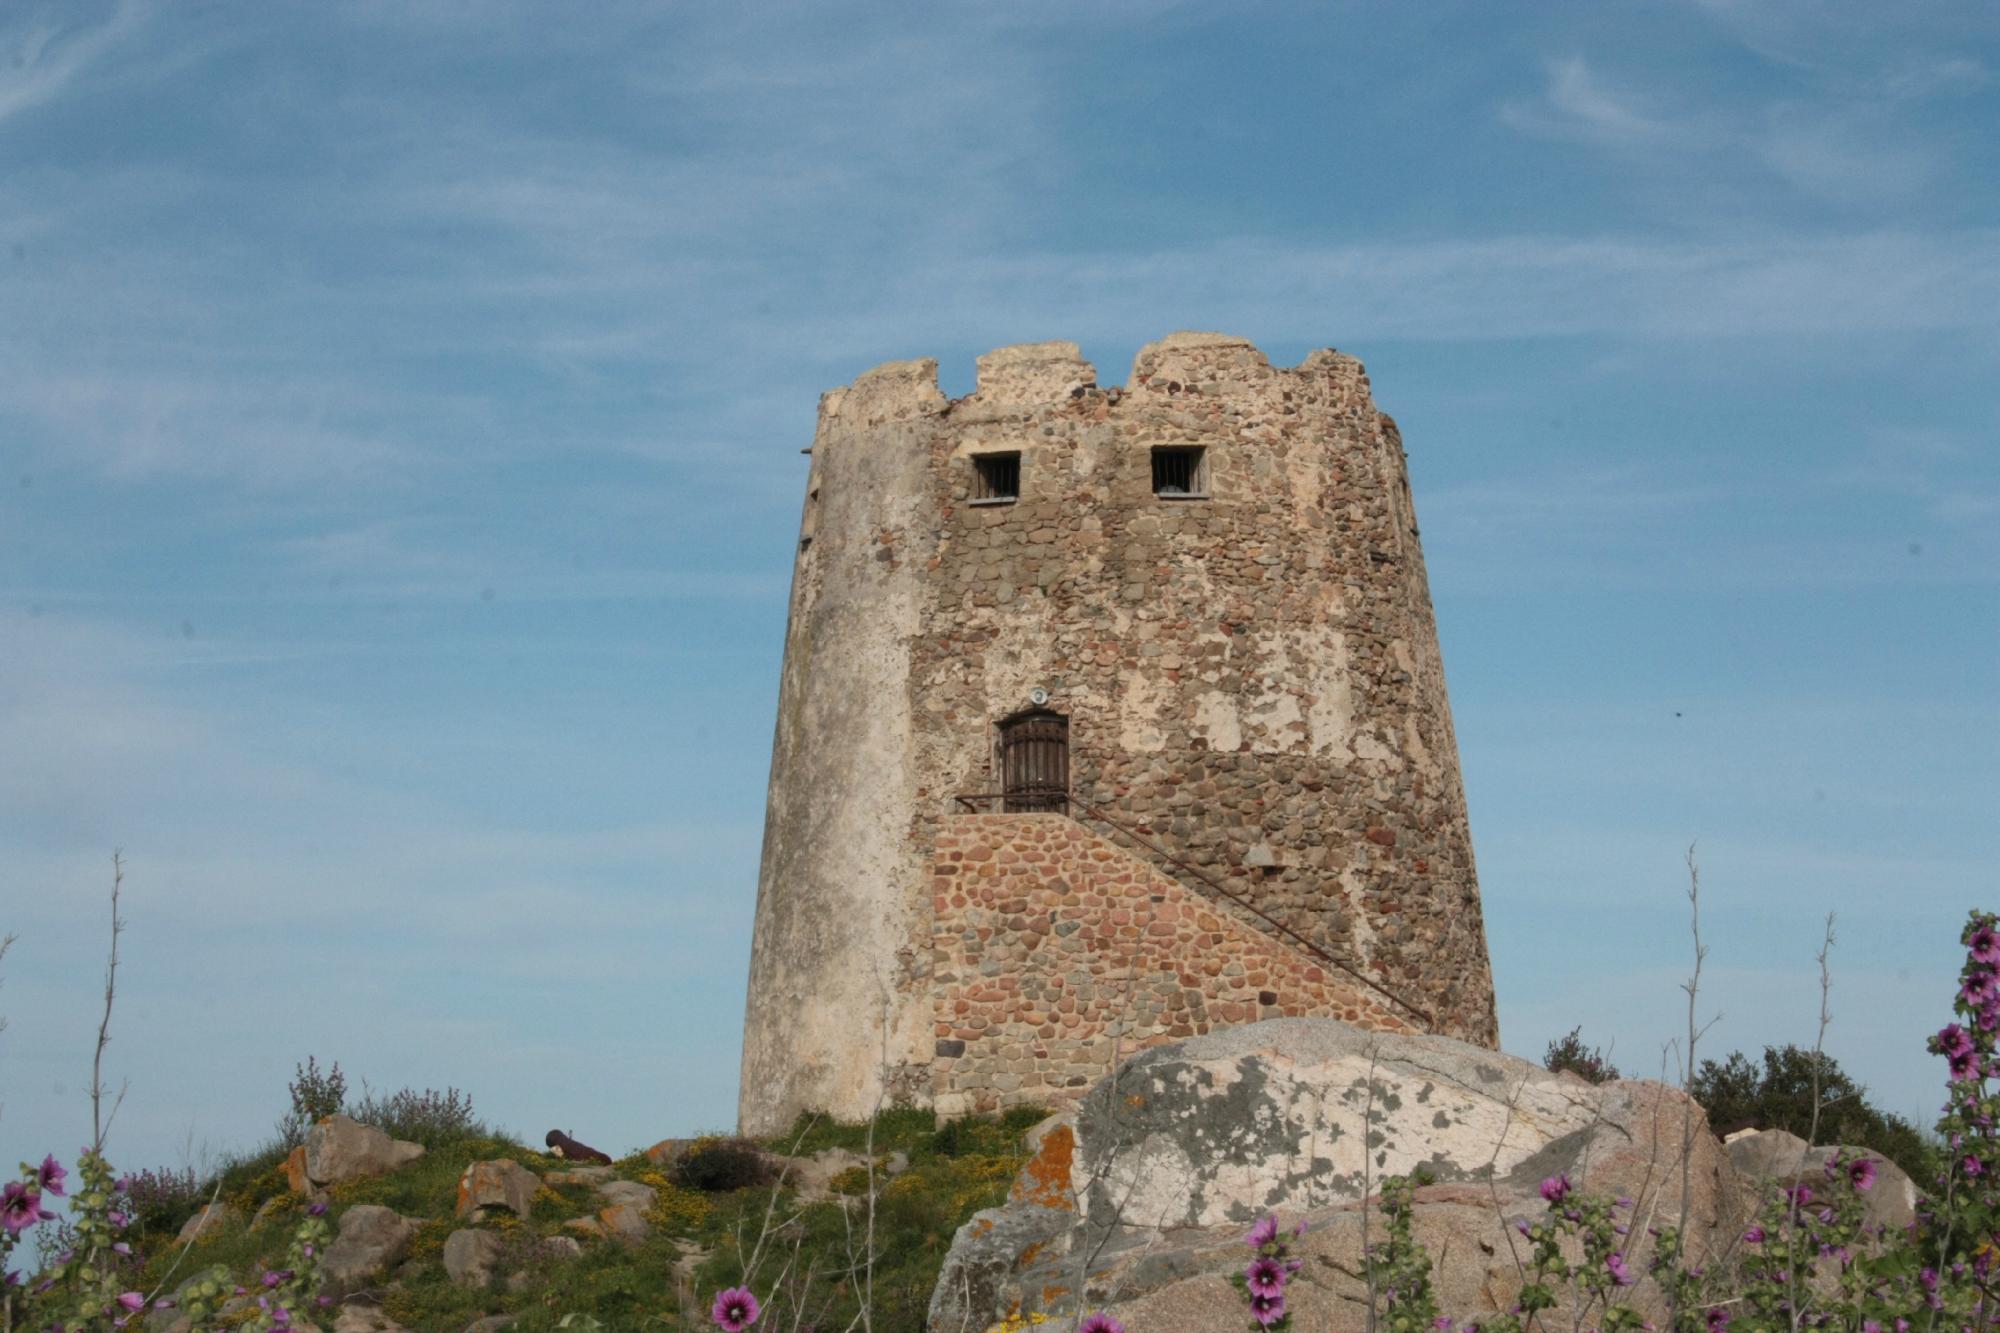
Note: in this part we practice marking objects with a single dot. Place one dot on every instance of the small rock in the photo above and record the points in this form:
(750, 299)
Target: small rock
(500, 1183)
(585, 1226)
(207, 1222)
(470, 1256)
(492, 1323)
(372, 1239)
(629, 1192)
(338, 1149)
(623, 1222)
(365, 1319)
(667, 1151)
(582, 1175)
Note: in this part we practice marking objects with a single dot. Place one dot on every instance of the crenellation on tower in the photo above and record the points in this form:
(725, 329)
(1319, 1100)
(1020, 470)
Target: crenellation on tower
(1188, 617)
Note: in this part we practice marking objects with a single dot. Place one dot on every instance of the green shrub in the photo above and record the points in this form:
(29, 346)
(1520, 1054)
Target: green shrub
(1780, 1096)
(430, 1117)
(719, 1165)
(315, 1096)
(1586, 1062)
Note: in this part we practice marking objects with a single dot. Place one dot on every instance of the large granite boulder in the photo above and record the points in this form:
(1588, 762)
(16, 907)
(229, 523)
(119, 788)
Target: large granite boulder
(371, 1240)
(207, 1223)
(499, 1183)
(470, 1256)
(1771, 1159)
(338, 1148)
(1141, 1200)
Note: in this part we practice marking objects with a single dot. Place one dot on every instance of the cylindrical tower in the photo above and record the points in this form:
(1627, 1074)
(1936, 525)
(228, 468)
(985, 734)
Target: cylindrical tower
(1197, 601)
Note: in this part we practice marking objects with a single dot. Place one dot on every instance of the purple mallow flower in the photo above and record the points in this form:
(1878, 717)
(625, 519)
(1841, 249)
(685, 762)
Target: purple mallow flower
(1556, 1188)
(1267, 1310)
(50, 1176)
(1263, 1233)
(1984, 944)
(1265, 1277)
(132, 1300)
(1100, 1323)
(1718, 1318)
(735, 1309)
(1754, 1236)
(1614, 1263)
(1861, 1173)
(21, 1208)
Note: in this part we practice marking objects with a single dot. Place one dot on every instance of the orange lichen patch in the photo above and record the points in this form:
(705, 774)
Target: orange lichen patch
(295, 1171)
(1045, 1180)
(983, 1225)
(1050, 1295)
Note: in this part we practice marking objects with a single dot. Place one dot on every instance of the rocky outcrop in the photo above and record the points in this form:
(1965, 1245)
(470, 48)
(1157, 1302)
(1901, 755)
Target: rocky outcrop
(338, 1148)
(372, 1240)
(492, 1185)
(207, 1222)
(1141, 1201)
(1776, 1157)
(365, 1319)
(470, 1257)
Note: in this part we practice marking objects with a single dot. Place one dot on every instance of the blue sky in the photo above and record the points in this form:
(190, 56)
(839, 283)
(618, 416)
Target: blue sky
(400, 408)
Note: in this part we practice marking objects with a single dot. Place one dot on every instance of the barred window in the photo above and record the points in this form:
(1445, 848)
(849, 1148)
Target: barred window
(996, 478)
(1180, 473)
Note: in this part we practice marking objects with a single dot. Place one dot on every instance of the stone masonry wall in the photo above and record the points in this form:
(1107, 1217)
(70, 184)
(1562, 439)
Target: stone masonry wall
(1252, 680)
(1058, 953)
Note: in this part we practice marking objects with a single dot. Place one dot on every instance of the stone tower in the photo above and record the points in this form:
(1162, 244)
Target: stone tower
(1108, 716)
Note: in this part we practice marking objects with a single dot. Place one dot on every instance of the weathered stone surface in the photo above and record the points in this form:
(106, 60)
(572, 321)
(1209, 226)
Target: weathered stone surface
(370, 1241)
(625, 1223)
(667, 1151)
(296, 1178)
(1219, 1129)
(627, 1192)
(208, 1221)
(1138, 959)
(813, 1176)
(365, 1319)
(1773, 1158)
(470, 1256)
(582, 1175)
(992, 1260)
(1248, 668)
(498, 1183)
(338, 1148)
(1170, 1162)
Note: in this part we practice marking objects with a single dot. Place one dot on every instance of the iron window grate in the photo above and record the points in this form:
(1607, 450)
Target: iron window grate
(1181, 473)
(996, 478)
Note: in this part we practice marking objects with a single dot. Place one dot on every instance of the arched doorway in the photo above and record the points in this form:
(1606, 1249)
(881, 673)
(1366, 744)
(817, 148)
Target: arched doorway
(1034, 763)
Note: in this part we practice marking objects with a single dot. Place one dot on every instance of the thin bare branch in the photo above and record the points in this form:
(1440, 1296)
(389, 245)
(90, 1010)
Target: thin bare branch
(100, 1123)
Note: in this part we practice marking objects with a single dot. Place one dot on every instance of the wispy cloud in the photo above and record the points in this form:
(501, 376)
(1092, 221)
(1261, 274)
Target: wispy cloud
(1578, 103)
(43, 51)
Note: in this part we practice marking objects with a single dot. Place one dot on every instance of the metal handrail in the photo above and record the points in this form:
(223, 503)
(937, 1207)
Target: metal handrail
(1057, 800)
(1219, 889)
